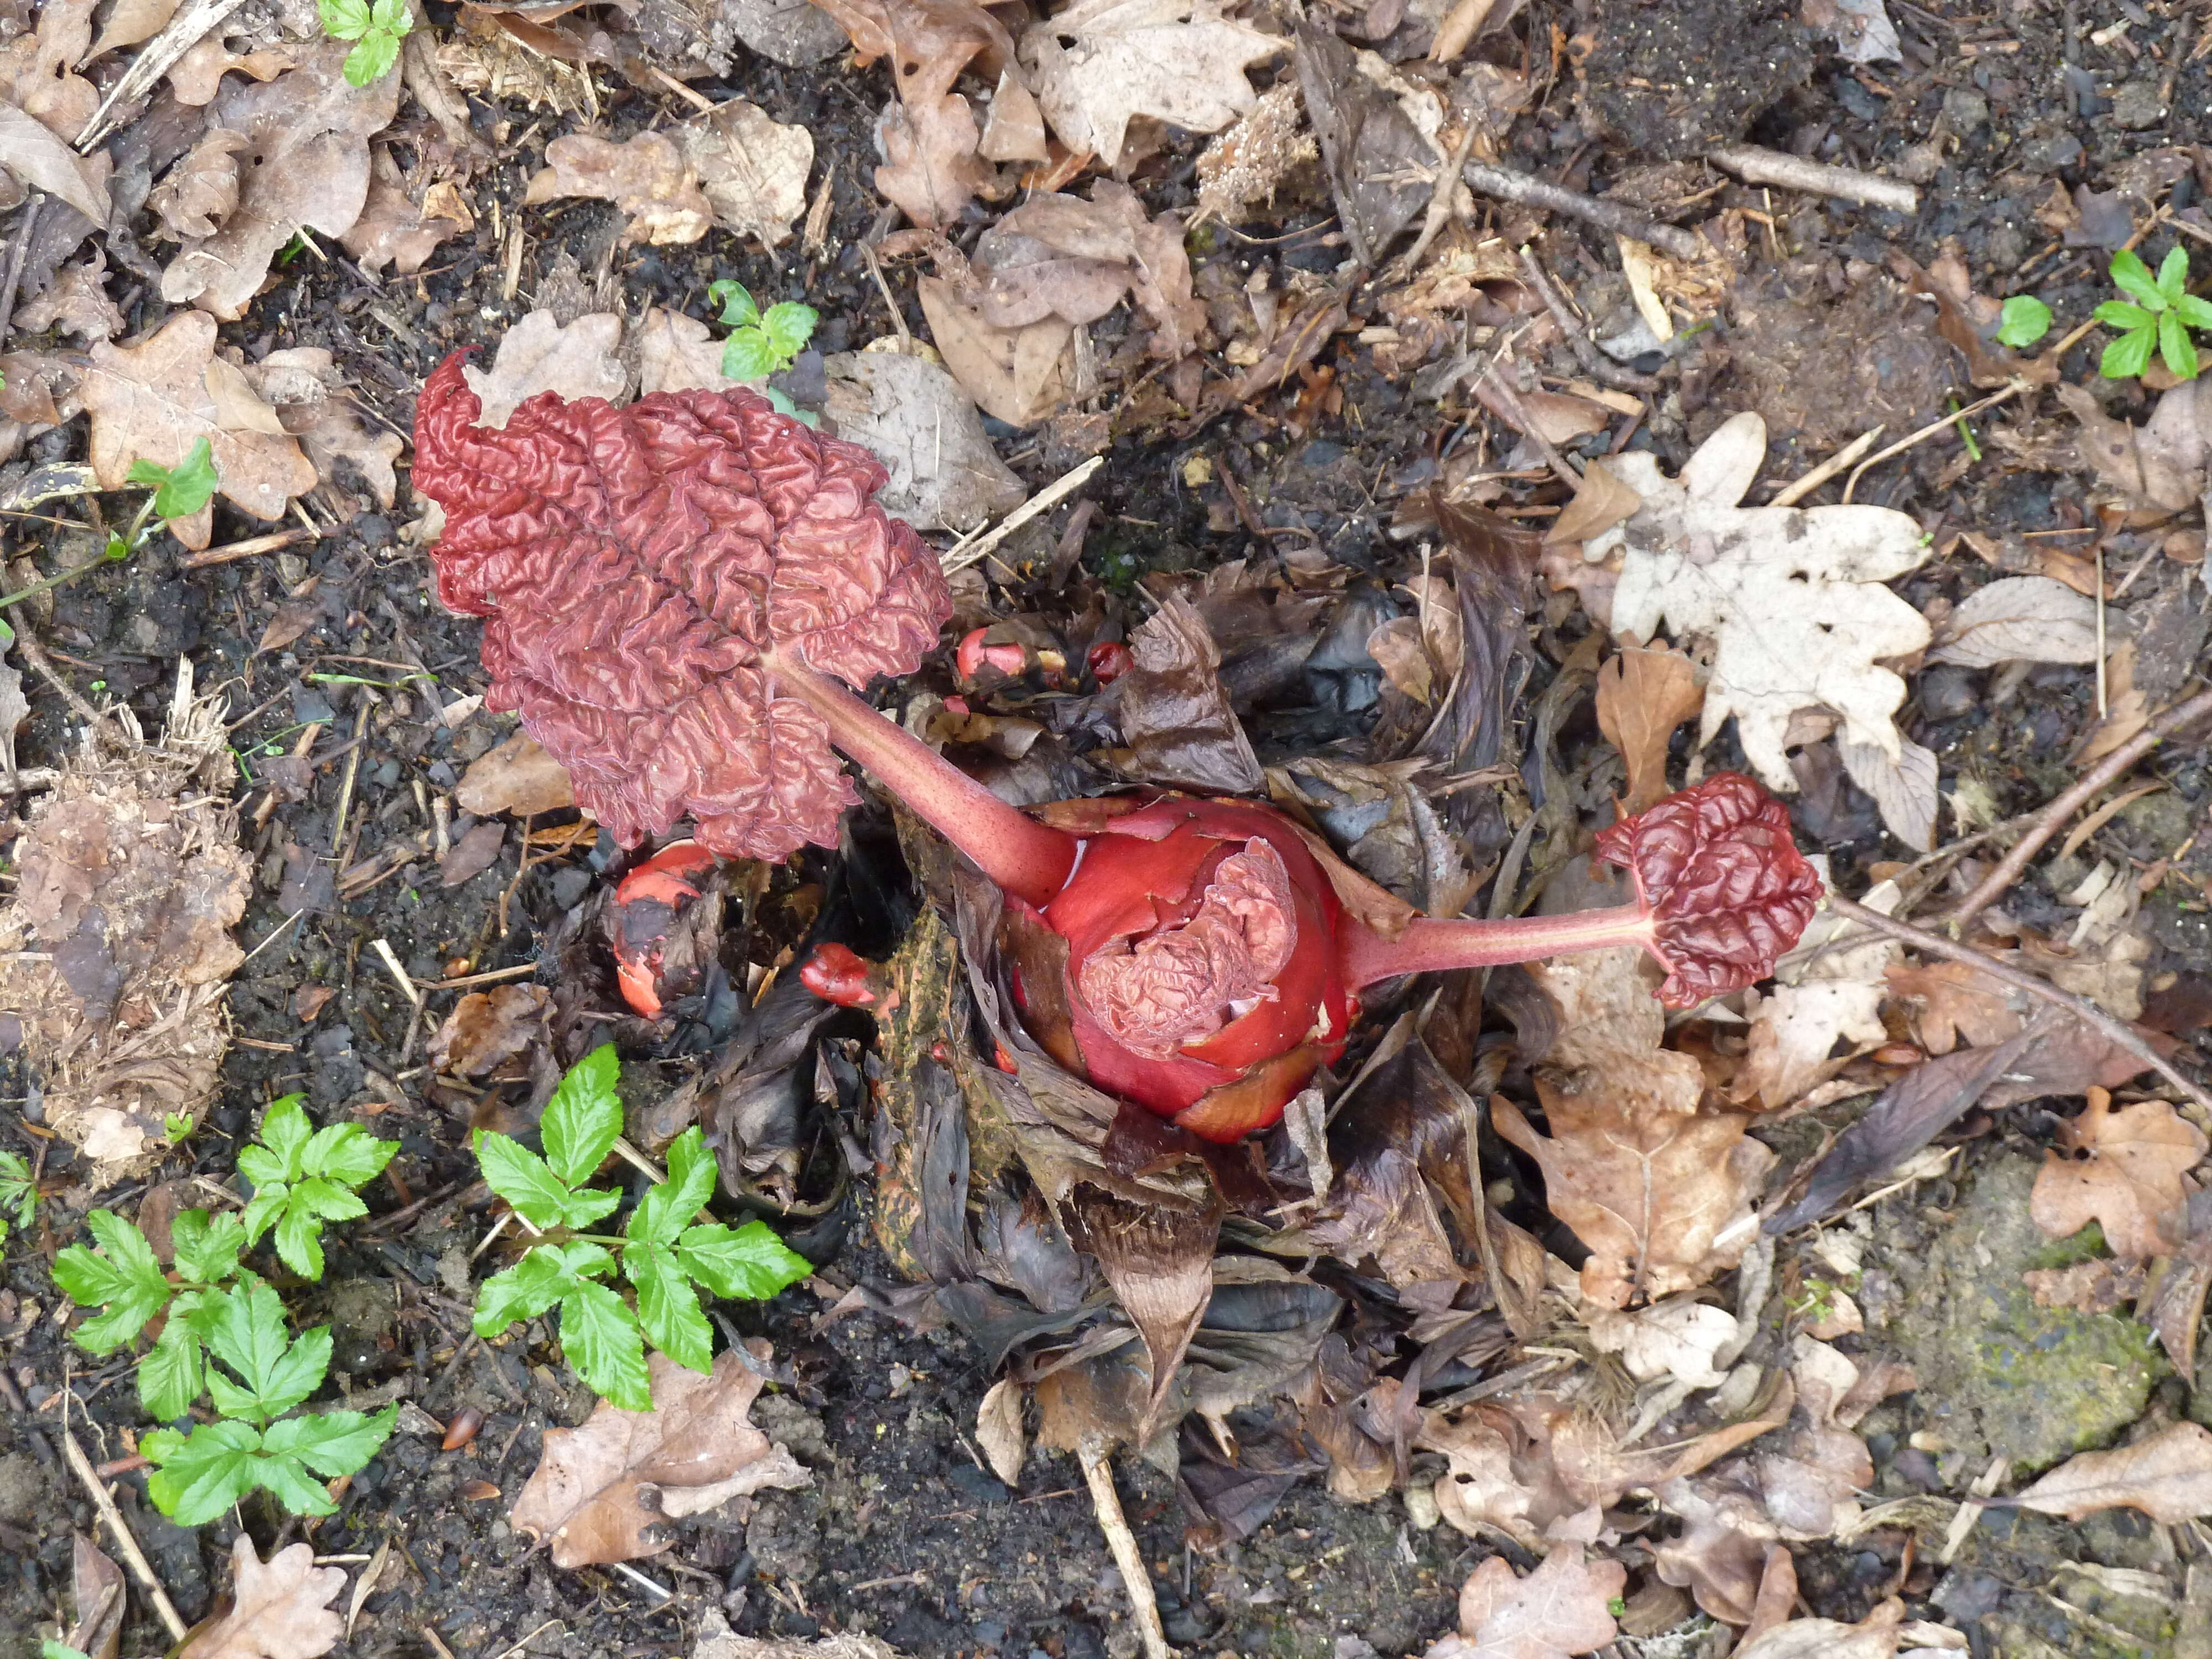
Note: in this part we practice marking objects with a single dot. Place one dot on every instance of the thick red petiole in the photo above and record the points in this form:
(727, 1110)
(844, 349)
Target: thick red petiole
(1426, 946)
(1029, 859)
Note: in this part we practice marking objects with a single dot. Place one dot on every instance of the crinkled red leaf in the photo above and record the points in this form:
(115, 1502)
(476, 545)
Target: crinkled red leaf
(637, 569)
(1727, 890)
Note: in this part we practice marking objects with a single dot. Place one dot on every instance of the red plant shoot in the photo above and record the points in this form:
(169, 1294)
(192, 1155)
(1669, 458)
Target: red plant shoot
(677, 596)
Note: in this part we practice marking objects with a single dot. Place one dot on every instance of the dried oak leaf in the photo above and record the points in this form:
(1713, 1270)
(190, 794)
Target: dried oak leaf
(1643, 695)
(487, 1028)
(1098, 63)
(518, 777)
(1827, 993)
(932, 162)
(312, 401)
(397, 230)
(636, 568)
(1958, 1004)
(1659, 1187)
(200, 191)
(606, 1492)
(1564, 1607)
(1874, 1636)
(752, 168)
(2124, 1170)
(154, 401)
(915, 417)
(37, 70)
(541, 353)
(675, 353)
(648, 177)
(76, 302)
(305, 165)
(45, 162)
(277, 1611)
(1792, 597)
(2168, 1477)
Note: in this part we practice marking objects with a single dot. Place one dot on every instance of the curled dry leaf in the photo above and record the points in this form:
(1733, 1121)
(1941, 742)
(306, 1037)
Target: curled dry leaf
(307, 165)
(752, 168)
(115, 952)
(396, 229)
(932, 164)
(2020, 619)
(154, 401)
(648, 177)
(201, 191)
(1826, 993)
(2168, 1477)
(1792, 597)
(38, 69)
(1564, 1607)
(1016, 375)
(677, 353)
(2123, 1169)
(76, 302)
(487, 1028)
(915, 419)
(43, 161)
(604, 1492)
(518, 777)
(314, 405)
(1874, 1636)
(542, 354)
(96, 1587)
(999, 1429)
(277, 1611)
(1099, 63)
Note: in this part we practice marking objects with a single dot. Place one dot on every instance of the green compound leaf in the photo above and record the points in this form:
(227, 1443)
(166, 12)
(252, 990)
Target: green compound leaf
(300, 1238)
(789, 325)
(2118, 313)
(525, 1291)
(347, 1154)
(668, 1307)
(125, 1280)
(2133, 277)
(748, 354)
(747, 1264)
(584, 1117)
(331, 1443)
(198, 1476)
(2173, 274)
(285, 1132)
(392, 17)
(522, 1178)
(2129, 355)
(169, 1376)
(2023, 320)
(599, 1334)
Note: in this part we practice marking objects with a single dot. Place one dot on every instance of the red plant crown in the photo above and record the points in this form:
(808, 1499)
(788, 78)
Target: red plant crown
(640, 570)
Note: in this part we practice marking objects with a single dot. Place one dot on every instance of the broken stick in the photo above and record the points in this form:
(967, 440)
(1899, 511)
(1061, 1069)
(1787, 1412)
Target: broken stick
(171, 1619)
(1755, 166)
(1098, 1473)
(1508, 185)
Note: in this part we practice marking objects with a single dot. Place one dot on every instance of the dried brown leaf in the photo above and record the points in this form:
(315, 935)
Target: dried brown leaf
(201, 191)
(38, 71)
(1876, 1637)
(2095, 1286)
(2168, 1477)
(1173, 713)
(277, 1611)
(1160, 1263)
(1097, 64)
(76, 302)
(397, 230)
(308, 167)
(916, 418)
(648, 177)
(1643, 695)
(44, 161)
(929, 42)
(294, 617)
(677, 353)
(197, 76)
(540, 354)
(96, 1587)
(1018, 375)
(472, 854)
(518, 777)
(932, 166)
(487, 1028)
(999, 1429)
(1958, 1004)
(1602, 502)
(751, 168)
(2123, 1169)
(313, 403)
(602, 1492)
(1563, 1607)
(155, 400)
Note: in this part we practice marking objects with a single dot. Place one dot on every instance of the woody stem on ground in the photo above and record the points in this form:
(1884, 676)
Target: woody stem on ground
(1030, 861)
(1429, 946)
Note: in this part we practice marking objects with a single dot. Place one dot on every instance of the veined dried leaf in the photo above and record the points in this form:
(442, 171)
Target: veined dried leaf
(2122, 1169)
(518, 777)
(1562, 1608)
(76, 302)
(1018, 376)
(1792, 597)
(44, 161)
(394, 229)
(648, 177)
(932, 162)
(998, 1429)
(312, 403)
(751, 167)
(916, 418)
(2020, 619)
(1876, 1637)
(2168, 1477)
(487, 1028)
(1958, 1004)
(96, 1587)
(1159, 1262)
(600, 1491)
(1602, 503)
(201, 191)
(277, 1611)
(538, 354)
(1098, 63)
(677, 353)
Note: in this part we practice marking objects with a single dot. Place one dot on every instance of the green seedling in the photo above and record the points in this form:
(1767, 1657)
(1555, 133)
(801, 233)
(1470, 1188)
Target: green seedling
(178, 491)
(178, 1127)
(303, 1176)
(376, 28)
(2159, 318)
(256, 1375)
(19, 1194)
(665, 1254)
(763, 343)
(125, 1279)
(2022, 321)
(50, 1649)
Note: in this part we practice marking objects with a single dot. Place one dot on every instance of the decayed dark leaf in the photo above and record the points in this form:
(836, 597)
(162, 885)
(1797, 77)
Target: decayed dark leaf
(2178, 1309)
(604, 1491)
(487, 1028)
(1379, 165)
(472, 854)
(1230, 1498)
(96, 1587)
(1174, 716)
(1160, 1263)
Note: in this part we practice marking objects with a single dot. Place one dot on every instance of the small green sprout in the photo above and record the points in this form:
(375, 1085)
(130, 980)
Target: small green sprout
(303, 1176)
(179, 492)
(2022, 321)
(19, 1194)
(2160, 321)
(178, 1127)
(376, 26)
(763, 343)
(663, 1252)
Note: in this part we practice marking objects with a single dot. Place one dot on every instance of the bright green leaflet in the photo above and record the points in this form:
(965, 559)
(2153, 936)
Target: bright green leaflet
(50, 1649)
(123, 1278)
(2023, 320)
(18, 1194)
(182, 489)
(303, 1176)
(2157, 319)
(198, 1476)
(584, 1117)
(761, 343)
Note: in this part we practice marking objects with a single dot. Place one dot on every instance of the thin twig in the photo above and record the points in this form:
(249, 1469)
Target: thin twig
(35, 654)
(273, 542)
(24, 228)
(1594, 362)
(124, 1541)
(966, 552)
(2115, 1031)
(400, 975)
(1508, 185)
(1767, 167)
(1098, 1476)
(2053, 818)
(2012, 390)
(1440, 199)
(1796, 491)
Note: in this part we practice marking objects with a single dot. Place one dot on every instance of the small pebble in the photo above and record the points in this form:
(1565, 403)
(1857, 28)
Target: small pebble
(1421, 1506)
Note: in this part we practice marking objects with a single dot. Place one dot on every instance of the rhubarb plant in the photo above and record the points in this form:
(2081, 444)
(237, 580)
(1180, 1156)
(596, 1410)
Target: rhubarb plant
(664, 1253)
(1195, 957)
